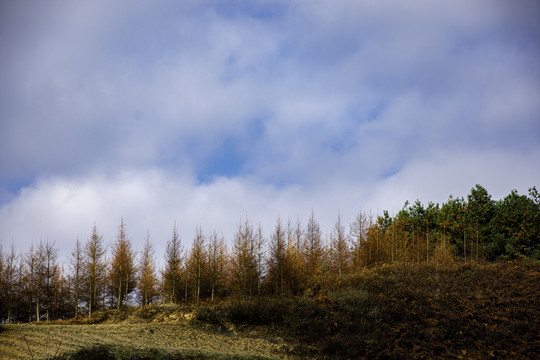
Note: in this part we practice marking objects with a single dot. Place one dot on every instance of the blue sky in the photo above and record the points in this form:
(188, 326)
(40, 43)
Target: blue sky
(201, 112)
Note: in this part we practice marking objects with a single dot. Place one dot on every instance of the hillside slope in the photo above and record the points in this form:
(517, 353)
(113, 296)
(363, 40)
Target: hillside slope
(472, 311)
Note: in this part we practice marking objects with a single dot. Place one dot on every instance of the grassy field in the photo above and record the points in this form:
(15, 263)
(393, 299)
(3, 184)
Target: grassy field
(27, 341)
(459, 311)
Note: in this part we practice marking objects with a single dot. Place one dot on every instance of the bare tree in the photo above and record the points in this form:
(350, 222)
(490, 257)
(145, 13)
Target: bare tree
(95, 271)
(260, 245)
(147, 277)
(217, 254)
(340, 254)
(23, 295)
(3, 287)
(196, 264)
(171, 276)
(50, 277)
(313, 247)
(123, 270)
(10, 280)
(277, 257)
(358, 238)
(32, 282)
(77, 267)
(244, 261)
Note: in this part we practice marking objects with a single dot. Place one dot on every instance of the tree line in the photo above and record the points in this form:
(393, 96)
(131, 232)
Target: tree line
(36, 286)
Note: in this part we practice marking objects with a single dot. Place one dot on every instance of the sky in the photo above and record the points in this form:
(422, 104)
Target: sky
(204, 113)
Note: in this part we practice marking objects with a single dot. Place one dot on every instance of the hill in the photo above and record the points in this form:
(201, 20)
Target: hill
(478, 311)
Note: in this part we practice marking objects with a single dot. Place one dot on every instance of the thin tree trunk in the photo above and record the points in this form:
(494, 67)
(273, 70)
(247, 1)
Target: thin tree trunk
(392, 244)
(10, 311)
(465, 244)
(119, 295)
(477, 245)
(198, 282)
(427, 246)
(76, 301)
(172, 299)
(127, 287)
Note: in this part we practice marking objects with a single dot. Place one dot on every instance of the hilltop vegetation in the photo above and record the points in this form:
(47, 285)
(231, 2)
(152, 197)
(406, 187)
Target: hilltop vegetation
(290, 261)
(430, 281)
(479, 311)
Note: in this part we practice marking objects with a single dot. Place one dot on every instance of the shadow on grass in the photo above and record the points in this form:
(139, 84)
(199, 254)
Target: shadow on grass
(110, 352)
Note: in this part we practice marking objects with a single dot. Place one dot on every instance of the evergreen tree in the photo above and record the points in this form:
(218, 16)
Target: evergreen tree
(517, 227)
(480, 211)
(456, 231)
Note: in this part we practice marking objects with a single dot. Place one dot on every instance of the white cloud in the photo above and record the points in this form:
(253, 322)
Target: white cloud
(443, 173)
(331, 105)
(61, 209)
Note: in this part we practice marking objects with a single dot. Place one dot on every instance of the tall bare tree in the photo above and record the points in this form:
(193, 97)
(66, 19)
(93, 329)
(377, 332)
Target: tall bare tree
(95, 271)
(313, 246)
(277, 258)
(171, 276)
(147, 274)
(77, 266)
(3, 287)
(197, 262)
(358, 238)
(50, 277)
(21, 289)
(9, 280)
(123, 270)
(340, 255)
(296, 269)
(217, 257)
(244, 261)
(260, 253)
(32, 281)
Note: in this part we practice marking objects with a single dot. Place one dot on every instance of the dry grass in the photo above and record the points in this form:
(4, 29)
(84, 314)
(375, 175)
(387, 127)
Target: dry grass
(26, 341)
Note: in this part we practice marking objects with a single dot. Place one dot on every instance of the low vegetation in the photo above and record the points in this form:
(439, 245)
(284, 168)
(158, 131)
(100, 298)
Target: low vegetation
(410, 311)
(173, 339)
(478, 311)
